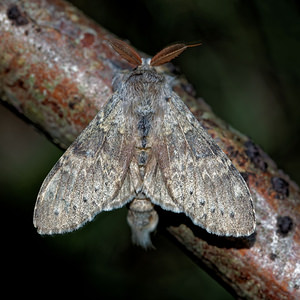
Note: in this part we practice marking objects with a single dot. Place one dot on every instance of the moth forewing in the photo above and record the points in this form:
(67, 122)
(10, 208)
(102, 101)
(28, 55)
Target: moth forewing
(199, 177)
(92, 175)
(195, 177)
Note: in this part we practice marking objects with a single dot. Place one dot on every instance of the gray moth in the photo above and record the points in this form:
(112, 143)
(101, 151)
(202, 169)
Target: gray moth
(145, 148)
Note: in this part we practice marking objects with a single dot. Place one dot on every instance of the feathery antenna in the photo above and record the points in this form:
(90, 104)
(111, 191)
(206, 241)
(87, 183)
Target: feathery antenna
(169, 53)
(126, 51)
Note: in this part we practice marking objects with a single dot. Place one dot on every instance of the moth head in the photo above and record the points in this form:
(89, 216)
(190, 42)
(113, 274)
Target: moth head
(162, 57)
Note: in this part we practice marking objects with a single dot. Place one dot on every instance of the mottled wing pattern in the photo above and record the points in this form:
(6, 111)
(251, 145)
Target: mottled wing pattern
(189, 173)
(91, 176)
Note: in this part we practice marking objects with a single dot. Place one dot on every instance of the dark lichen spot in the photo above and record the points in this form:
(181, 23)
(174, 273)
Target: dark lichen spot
(13, 12)
(222, 212)
(56, 213)
(76, 99)
(21, 84)
(71, 105)
(204, 216)
(167, 99)
(84, 199)
(284, 225)
(254, 154)
(212, 210)
(281, 187)
(232, 152)
(296, 287)
(273, 256)
(74, 207)
(245, 175)
(57, 109)
(15, 15)
(232, 215)
(188, 88)
(202, 202)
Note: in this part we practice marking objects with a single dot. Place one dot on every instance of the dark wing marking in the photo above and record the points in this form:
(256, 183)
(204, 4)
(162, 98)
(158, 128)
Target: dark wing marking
(189, 173)
(93, 175)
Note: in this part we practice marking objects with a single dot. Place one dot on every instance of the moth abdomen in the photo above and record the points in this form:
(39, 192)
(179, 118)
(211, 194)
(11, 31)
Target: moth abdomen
(144, 126)
(142, 219)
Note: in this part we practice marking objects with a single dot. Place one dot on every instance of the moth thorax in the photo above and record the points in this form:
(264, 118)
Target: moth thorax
(142, 219)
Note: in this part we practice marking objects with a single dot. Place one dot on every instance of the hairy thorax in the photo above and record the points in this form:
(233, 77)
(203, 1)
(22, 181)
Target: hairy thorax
(143, 95)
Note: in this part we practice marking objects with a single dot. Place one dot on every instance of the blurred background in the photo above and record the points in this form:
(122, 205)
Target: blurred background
(248, 71)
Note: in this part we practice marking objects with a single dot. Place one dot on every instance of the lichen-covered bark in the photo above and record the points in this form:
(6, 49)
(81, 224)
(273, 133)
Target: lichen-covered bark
(56, 70)
(56, 67)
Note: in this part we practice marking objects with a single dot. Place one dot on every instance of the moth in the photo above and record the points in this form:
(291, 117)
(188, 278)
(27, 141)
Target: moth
(145, 148)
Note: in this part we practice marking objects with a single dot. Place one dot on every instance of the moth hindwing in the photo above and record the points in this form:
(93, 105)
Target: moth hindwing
(145, 148)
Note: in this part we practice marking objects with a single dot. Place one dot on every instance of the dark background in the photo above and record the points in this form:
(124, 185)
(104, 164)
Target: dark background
(248, 71)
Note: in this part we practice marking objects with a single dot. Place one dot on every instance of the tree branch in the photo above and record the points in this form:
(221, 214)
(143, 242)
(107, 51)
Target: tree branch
(56, 69)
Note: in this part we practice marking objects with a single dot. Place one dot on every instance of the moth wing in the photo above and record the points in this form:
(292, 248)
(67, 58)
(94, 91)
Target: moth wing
(91, 176)
(188, 173)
